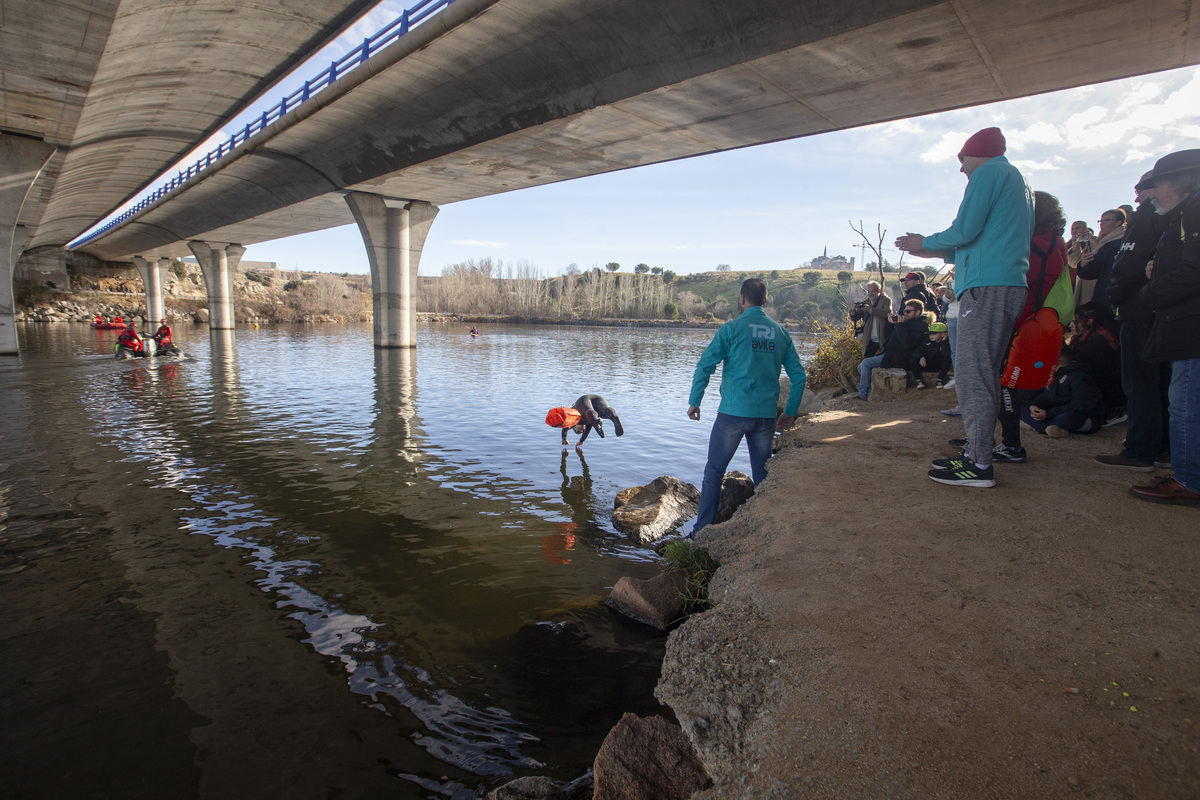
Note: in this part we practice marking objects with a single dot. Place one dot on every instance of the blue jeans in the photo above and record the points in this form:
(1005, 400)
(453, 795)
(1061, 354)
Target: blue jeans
(727, 433)
(1184, 397)
(864, 375)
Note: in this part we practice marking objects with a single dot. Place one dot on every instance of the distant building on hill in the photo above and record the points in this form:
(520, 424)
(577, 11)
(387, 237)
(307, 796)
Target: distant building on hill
(825, 261)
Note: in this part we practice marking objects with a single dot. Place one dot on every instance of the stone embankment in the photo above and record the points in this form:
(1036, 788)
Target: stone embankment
(877, 634)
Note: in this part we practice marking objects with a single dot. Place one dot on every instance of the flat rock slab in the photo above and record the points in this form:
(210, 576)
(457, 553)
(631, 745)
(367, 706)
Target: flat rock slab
(648, 512)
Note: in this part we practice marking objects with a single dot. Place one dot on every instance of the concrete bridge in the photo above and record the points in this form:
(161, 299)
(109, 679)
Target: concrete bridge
(489, 96)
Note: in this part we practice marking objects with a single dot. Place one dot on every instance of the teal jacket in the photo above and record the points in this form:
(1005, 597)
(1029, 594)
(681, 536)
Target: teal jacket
(988, 243)
(753, 348)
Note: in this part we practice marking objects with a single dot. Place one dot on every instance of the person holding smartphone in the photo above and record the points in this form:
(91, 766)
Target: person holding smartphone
(1082, 242)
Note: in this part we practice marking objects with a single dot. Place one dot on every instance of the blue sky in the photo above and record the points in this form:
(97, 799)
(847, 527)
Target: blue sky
(777, 206)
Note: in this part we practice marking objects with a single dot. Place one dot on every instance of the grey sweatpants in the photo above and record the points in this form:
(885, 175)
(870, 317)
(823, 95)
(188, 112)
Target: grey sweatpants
(985, 325)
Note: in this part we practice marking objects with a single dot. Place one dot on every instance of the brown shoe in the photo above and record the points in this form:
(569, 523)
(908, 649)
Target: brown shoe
(1169, 491)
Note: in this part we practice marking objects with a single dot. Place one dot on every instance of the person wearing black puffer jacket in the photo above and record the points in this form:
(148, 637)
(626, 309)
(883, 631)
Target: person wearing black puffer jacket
(908, 332)
(1070, 404)
(1147, 437)
(1173, 294)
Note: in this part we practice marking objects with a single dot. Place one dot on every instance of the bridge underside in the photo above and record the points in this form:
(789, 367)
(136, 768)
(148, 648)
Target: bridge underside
(476, 111)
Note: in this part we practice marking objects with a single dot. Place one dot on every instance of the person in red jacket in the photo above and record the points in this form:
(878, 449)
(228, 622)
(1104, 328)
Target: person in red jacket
(131, 340)
(162, 336)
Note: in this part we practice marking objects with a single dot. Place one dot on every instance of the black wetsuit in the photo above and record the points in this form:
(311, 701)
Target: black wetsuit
(592, 408)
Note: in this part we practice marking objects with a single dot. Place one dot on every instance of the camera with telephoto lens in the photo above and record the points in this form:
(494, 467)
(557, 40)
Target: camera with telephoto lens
(860, 310)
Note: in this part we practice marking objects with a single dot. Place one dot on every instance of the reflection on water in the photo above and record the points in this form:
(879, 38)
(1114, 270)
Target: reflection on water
(408, 514)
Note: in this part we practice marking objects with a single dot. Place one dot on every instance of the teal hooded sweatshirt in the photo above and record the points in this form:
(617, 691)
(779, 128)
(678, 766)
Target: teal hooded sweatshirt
(988, 242)
(753, 348)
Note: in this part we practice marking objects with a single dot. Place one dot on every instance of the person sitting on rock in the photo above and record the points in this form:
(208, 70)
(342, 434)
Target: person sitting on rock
(1097, 352)
(932, 355)
(908, 333)
(583, 417)
(1072, 403)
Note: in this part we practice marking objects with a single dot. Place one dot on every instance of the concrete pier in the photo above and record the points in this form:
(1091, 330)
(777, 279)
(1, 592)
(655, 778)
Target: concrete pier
(153, 272)
(23, 159)
(218, 262)
(394, 232)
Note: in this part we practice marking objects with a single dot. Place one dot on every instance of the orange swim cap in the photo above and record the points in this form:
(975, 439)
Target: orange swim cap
(562, 417)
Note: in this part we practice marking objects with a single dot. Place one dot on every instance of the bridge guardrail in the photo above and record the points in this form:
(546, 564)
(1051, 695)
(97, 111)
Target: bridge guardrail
(372, 45)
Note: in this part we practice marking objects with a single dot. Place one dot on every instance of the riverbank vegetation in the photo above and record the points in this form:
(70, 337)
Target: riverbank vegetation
(807, 297)
(491, 287)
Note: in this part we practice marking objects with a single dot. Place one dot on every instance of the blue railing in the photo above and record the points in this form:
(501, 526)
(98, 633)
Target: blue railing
(372, 45)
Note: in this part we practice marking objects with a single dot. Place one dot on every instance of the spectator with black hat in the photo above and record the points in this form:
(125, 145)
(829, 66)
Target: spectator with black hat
(1173, 294)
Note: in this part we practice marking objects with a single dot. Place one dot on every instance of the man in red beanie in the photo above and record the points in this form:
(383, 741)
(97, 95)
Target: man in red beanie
(988, 243)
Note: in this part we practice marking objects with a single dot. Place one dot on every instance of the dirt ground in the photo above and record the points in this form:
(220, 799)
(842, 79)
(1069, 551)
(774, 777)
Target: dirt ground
(878, 634)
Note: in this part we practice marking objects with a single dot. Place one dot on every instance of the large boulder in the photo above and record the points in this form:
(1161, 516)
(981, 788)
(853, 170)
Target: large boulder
(648, 512)
(542, 788)
(647, 759)
(888, 384)
(201, 315)
(657, 602)
(736, 488)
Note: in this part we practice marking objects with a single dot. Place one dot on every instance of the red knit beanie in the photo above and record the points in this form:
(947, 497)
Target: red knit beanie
(987, 143)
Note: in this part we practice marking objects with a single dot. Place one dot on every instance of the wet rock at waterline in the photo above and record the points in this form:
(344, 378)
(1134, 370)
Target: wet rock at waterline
(657, 602)
(736, 488)
(647, 759)
(648, 512)
(542, 788)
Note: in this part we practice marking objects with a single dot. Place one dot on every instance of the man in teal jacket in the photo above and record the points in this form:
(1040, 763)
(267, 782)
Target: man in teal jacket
(752, 349)
(988, 243)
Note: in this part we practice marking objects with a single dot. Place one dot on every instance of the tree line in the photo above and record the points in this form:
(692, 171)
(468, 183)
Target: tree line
(490, 286)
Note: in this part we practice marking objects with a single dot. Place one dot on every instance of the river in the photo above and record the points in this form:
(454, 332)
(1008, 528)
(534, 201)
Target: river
(292, 564)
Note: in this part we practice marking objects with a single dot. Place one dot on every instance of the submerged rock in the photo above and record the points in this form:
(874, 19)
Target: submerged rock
(542, 788)
(647, 759)
(650, 511)
(656, 602)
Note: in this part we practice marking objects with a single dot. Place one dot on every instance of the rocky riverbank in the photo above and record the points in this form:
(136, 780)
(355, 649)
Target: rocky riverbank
(879, 634)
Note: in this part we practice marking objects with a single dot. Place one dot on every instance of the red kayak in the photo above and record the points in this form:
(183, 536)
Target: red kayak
(108, 325)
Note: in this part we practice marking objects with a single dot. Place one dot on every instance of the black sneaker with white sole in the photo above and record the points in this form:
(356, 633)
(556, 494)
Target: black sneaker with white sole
(965, 474)
(1009, 455)
(950, 463)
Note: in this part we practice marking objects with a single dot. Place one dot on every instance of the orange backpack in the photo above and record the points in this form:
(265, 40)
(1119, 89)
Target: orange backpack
(563, 417)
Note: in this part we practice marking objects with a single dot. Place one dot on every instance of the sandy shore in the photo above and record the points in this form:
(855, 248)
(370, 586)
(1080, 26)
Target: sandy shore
(881, 635)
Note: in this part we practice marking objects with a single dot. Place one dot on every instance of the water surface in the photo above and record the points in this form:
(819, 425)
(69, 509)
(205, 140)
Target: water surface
(292, 563)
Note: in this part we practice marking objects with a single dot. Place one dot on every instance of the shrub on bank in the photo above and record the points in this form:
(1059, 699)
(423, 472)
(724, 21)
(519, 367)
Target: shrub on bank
(835, 364)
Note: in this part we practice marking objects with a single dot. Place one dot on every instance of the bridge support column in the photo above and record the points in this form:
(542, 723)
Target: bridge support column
(218, 262)
(23, 160)
(153, 277)
(394, 232)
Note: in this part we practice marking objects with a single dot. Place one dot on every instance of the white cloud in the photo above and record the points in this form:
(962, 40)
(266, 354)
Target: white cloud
(946, 148)
(1035, 166)
(1039, 132)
